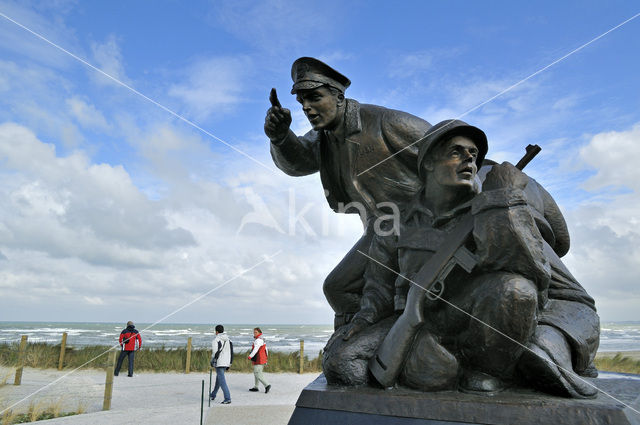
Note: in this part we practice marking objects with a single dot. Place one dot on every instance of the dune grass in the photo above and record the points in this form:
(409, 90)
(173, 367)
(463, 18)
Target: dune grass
(4, 377)
(45, 356)
(618, 363)
(37, 411)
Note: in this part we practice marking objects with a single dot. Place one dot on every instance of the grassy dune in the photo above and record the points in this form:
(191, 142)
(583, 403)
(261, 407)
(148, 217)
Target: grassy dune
(45, 356)
(36, 412)
(618, 363)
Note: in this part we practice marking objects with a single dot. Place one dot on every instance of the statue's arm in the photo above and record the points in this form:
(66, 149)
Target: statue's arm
(297, 156)
(554, 217)
(505, 232)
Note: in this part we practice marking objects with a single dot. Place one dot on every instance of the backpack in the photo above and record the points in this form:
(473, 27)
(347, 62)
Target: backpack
(214, 359)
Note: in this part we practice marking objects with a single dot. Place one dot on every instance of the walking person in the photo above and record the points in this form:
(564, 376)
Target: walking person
(127, 340)
(258, 357)
(221, 359)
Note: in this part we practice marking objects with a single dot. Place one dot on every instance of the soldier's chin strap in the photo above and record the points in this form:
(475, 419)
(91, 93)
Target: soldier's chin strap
(429, 282)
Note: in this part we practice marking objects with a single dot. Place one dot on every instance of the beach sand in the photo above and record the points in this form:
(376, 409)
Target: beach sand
(155, 398)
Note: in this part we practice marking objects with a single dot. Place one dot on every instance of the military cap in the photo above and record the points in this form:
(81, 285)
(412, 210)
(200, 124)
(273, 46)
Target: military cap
(309, 73)
(446, 130)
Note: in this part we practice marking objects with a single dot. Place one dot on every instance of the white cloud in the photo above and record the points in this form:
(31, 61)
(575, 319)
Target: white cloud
(605, 247)
(33, 94)
(612, 154)
(18, 40)
(415, 64)
(86, 114)
(67, 207)
(299, 123)
(213, 85)
(108, 58)
(94, 300)
(79, 232)
(278, 26)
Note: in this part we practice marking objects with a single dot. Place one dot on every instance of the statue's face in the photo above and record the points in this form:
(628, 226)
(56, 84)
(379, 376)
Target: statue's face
(454, 163)
(321, 107)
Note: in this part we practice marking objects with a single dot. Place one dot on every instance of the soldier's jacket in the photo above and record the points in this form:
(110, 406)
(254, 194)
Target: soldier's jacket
(506, 237)
(372, 134)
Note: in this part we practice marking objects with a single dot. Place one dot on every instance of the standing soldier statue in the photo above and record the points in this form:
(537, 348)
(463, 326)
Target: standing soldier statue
(347, 140)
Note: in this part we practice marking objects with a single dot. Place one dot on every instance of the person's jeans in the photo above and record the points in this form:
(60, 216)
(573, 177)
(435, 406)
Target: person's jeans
(221, 382)
(123, 354)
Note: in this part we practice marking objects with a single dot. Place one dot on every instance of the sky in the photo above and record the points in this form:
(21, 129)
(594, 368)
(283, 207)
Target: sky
(151, 190)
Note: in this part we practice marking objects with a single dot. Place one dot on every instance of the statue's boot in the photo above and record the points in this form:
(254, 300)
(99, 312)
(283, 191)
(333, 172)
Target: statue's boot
(477, 382)
(590, 371)
(346, 362)
(429, 366)
(548, 366)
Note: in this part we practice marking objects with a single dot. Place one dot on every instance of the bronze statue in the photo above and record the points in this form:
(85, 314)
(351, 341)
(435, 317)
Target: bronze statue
(347, 139)
(512, 316)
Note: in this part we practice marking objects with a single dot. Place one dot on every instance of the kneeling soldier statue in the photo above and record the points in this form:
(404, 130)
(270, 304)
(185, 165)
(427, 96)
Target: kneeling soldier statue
(468, 295)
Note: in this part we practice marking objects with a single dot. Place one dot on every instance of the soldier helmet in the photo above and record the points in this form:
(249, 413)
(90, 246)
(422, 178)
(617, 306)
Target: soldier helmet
(446, 130)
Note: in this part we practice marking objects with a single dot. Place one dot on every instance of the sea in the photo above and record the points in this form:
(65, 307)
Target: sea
(614, 336)
(283, 338)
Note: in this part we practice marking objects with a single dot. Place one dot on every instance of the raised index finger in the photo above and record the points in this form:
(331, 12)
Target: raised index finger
(273, 98)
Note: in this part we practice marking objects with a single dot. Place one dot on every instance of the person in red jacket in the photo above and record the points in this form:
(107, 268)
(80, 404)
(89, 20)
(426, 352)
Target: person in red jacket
(127, 340)
(258, 357)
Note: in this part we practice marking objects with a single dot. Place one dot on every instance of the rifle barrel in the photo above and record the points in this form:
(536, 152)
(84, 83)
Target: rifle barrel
(532, 151)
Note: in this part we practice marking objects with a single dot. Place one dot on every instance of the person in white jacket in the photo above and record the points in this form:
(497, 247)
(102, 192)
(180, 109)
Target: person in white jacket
(258, 357)
(221, 359)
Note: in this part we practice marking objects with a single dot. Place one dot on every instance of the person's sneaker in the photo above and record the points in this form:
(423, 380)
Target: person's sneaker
(212, 397)
(254, 389)
(267, 388)
(226, 402)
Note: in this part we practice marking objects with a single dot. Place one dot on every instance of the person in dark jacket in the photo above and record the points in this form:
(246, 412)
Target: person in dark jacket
(127, 340)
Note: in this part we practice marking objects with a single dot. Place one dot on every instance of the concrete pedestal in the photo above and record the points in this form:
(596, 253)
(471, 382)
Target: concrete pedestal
(321, 404)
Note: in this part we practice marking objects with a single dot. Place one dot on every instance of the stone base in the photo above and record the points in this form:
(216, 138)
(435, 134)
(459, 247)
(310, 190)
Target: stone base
(321, 404)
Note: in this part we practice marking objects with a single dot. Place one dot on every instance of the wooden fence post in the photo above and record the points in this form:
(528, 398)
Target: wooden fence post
(63, 346)
(21, 355)
(301, 356)
(108, 383)
(188, 366)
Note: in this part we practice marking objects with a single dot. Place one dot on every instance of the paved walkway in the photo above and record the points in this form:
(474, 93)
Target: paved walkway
(156, 398)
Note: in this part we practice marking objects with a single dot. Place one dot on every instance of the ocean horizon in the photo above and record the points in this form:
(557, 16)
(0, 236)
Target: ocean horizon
(279, 337)
(614, 336)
